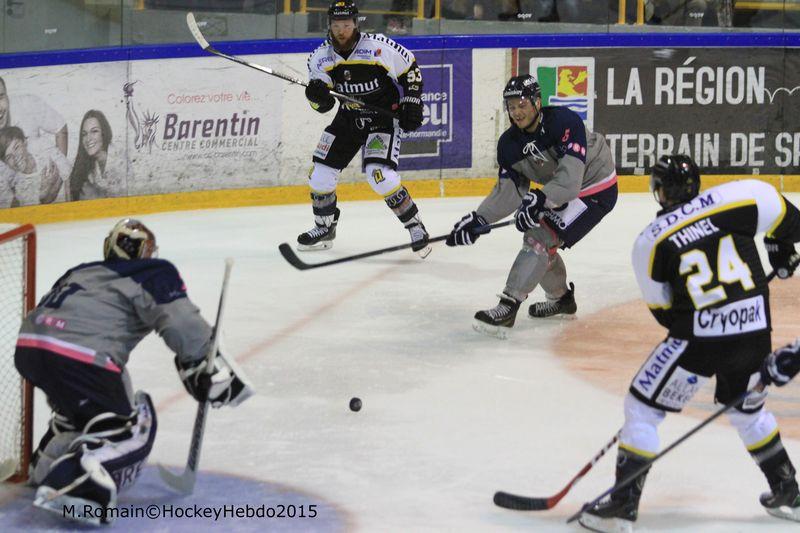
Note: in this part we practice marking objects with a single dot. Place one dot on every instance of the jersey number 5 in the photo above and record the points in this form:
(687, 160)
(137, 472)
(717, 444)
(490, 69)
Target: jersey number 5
(730, 269)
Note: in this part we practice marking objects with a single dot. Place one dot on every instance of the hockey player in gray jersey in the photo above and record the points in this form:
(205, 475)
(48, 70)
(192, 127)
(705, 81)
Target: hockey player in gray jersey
(370, 68)
(75, 345)
(552, 147)
(701, 276)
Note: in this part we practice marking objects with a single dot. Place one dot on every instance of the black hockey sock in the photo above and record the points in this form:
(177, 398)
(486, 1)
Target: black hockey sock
(323, 204)
(402, 205)
(773, 460)
(629, 462)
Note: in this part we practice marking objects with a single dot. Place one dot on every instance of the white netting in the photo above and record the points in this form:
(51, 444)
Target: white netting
(13, 260)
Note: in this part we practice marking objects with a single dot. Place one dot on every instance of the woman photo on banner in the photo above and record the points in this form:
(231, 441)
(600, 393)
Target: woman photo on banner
(99, 170)
(30, 175)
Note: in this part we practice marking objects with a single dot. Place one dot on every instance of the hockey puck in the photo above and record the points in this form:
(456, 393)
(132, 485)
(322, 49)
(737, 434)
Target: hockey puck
(355, 404)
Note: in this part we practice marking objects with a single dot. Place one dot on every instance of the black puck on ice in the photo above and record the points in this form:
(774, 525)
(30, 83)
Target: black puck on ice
(355, 404)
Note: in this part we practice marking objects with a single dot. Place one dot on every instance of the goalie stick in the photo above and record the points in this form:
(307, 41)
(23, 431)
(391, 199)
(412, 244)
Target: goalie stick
(289, 254)
(205, 45)
(526, 503)
(184, 483)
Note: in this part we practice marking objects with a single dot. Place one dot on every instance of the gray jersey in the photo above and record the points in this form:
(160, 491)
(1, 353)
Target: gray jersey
(562, 155)
(98, 312)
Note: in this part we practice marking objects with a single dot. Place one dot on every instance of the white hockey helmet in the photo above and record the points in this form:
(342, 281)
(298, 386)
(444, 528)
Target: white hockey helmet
(130, 239)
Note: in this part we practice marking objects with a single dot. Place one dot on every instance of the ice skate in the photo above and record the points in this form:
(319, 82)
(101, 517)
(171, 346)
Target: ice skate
(321, 236)
(498, 320)
(783, 501)
(419, 237)
(610, 516)
(563, 306)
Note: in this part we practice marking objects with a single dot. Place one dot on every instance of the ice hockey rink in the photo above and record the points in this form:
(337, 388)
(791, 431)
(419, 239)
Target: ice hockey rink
(449, 416)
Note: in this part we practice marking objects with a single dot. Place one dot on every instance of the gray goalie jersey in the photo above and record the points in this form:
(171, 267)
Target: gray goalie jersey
(371, 72)
(698, 267)
(98, 312)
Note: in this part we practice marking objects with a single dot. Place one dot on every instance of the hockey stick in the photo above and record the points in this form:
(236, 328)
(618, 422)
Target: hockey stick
(204, 44)
(288, 253)
(628, 480)
(525, 503)
(184, 482)
(7, 469)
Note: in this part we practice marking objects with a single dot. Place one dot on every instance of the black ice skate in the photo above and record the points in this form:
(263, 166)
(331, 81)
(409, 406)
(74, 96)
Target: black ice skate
(612, 515)
(419, 237)
(783, 500)
(321, 236)
(498, 320)
(563, 306)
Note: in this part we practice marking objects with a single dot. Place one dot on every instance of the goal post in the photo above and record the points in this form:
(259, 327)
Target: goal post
(17, 298)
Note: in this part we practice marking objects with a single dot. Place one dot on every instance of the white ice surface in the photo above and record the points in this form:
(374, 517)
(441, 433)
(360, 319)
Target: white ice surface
(449, 415)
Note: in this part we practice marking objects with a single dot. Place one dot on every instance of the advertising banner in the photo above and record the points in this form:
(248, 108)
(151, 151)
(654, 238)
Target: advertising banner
(445, 138)
(734, 113)
(115, 129)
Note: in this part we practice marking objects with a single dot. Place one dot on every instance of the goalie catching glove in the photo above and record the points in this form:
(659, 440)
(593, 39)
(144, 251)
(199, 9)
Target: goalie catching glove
(781, 365)
(226, 385)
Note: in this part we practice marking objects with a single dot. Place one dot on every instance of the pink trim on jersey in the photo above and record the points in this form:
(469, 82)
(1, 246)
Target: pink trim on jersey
(597, 187)
(67, 349)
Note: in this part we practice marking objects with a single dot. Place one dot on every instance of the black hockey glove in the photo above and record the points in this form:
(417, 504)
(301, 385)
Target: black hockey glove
(410, 113)
(529, 210)
(222, 387)
(319, 94)
(782, 257)
(781, 365)
(464, 233)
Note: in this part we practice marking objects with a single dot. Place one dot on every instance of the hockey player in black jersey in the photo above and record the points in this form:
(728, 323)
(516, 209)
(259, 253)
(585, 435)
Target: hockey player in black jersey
(700, 274)
(75, 346)
(368, 67)
(552, 147)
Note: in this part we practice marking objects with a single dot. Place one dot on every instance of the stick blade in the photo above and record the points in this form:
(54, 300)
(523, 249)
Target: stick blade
(195, 29)
(288, 253)
(7, 469)
(183, 483)
(521, 503)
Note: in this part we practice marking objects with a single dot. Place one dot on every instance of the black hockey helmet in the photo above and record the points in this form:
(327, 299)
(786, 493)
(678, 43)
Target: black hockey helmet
(343, 10)
(130, 239)
(677, 178)
(524, 86)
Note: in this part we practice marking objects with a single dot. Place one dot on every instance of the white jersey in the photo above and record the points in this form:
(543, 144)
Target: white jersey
(371, 72)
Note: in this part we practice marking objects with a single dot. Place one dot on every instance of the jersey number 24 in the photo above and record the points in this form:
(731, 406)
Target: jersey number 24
(730, 269)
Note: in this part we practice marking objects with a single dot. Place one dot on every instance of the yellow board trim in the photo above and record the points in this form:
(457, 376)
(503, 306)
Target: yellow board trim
(298, 194)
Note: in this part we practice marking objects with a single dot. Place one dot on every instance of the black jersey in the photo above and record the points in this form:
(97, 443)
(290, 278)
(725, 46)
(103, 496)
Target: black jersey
(373, 72)
(698, 267)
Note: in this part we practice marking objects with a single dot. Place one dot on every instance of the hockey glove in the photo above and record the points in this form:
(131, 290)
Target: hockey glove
(222, 387)
(464, 233)
(781, 365)
(319, 94)
(410, 113)
(529, 210)
(782, 257)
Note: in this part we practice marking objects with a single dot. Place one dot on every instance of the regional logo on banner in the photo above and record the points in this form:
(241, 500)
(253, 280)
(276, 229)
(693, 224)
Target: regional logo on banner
(445, 138)
(568, 82)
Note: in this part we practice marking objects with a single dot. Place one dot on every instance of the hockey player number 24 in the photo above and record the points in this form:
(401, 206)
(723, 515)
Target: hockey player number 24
(730, 269)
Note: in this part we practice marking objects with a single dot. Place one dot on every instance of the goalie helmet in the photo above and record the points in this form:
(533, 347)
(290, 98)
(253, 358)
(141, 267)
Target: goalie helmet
(674, 179)
(343, 10)
(130, 239)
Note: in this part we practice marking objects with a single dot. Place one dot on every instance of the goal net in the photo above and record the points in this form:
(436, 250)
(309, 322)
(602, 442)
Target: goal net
(17, 297)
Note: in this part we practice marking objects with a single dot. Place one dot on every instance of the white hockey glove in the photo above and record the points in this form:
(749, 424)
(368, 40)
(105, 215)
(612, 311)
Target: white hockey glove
(781, 365)
(226, 385)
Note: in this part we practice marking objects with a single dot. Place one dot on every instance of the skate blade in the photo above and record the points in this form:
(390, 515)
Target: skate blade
(605, 525)
(324, 245)
(785, 512)
(499, 332)
(559, 316)
(425, 252)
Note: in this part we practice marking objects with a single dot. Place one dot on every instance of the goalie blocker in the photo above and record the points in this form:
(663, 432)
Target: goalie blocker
(75, 346)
